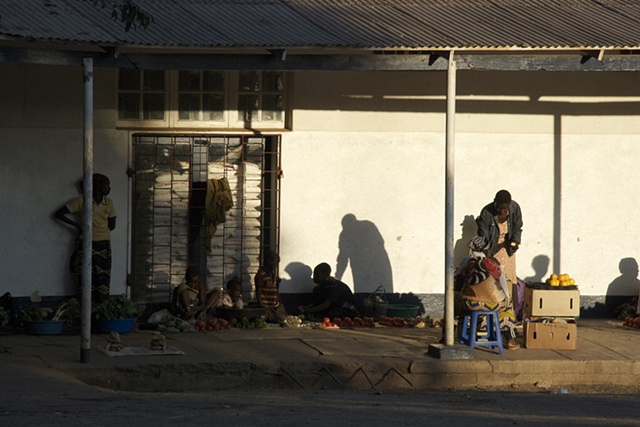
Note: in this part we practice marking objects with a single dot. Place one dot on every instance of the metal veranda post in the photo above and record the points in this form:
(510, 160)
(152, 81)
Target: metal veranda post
(449, 198)
(87, 228)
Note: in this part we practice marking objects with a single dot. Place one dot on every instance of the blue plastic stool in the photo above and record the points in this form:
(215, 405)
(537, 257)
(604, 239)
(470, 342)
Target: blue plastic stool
(470, 335)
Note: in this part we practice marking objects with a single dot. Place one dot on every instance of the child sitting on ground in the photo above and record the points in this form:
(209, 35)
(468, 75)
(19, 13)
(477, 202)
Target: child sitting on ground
(232, 298)
(191, 298)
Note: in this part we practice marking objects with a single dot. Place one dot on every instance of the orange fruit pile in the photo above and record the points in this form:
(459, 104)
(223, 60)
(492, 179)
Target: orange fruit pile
(560, 280)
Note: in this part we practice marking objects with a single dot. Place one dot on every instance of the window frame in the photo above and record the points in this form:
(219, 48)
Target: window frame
(174, 112)
(271, 124)
(231, 99)
(142, 122)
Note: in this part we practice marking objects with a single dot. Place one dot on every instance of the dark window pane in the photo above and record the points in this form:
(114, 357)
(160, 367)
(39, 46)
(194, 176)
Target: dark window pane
(272, 107)
(129, 80)
(129, 106)
(189, 81)
(212, 81)
(153, 106)
(188, 107)
(213, 108)
(154, 80)
(164, 157)
(248, 108)
(182, 152)
(248, 81)
(271, 81)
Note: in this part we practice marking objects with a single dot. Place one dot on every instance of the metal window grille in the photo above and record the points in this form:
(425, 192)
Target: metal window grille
(170, 189)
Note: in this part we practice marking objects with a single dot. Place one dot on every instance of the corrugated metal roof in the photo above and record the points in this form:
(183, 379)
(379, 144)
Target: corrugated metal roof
(366, 24)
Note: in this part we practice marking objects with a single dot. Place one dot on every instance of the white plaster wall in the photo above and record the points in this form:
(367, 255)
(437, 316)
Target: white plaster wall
(41, 161)
(600, 206)
(395, 182)
(539, 136)
(40, 169)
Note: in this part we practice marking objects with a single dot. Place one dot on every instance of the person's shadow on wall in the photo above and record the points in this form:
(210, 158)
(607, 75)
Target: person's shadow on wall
(297, 289)
(460, 248)
(361, 245)
(624, 288)
(540, 265)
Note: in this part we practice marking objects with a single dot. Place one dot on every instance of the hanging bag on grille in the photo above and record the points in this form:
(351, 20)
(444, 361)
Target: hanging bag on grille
(375, 305)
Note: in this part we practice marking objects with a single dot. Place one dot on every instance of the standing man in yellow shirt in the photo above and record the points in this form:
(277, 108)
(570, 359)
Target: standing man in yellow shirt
(103, 221)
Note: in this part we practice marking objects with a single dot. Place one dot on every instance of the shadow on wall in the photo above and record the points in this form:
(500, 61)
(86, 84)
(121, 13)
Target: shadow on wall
(469, 230)
(361, 245)
(297, 289)
(540, 265)
(623, 288)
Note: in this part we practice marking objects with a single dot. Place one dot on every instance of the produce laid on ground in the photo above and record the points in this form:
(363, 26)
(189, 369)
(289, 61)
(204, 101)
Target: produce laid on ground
(300, 322)
(66, 310)
(296, 322)
(158, 342)
(113, 342)
(245, 323)
(220, 324)
(348, 322)
(213, 324)
(175, 324)
(632, 322)
(361, 322)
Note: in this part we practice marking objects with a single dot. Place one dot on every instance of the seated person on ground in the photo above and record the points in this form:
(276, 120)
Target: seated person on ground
(191, 298)
(267, 288)
(232, 298)
(331, 297)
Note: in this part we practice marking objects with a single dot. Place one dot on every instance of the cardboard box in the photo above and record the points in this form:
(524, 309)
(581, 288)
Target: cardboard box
(553, 336)
(553, 303)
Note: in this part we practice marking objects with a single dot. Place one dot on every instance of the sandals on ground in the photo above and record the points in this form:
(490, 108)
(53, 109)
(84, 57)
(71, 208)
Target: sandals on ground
(512, 345)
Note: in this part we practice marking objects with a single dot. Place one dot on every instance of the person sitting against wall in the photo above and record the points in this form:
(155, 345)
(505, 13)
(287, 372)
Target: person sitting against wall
(331, 297)
(190, 298)
(267, 288)
(232, 297)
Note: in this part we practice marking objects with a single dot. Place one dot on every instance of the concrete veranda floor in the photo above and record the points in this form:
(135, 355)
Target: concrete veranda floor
(607, 359)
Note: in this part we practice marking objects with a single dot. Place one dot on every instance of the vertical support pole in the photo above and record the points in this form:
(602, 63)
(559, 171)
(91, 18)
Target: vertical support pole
(87, 216)
(449, 198)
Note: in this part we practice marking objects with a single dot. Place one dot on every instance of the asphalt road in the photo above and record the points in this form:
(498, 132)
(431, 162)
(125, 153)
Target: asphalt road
(46, 398)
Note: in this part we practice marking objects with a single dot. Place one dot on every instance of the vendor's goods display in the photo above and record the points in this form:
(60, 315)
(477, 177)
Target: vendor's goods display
(632, 322)
(406, 311)
(357, 322)
(563, 280)
(246, 323)
(550, 311)
(362, 322)
(211, 324)
(376, 304)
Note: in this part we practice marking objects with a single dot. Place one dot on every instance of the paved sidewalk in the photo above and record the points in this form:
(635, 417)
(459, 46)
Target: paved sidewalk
(607, 359)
